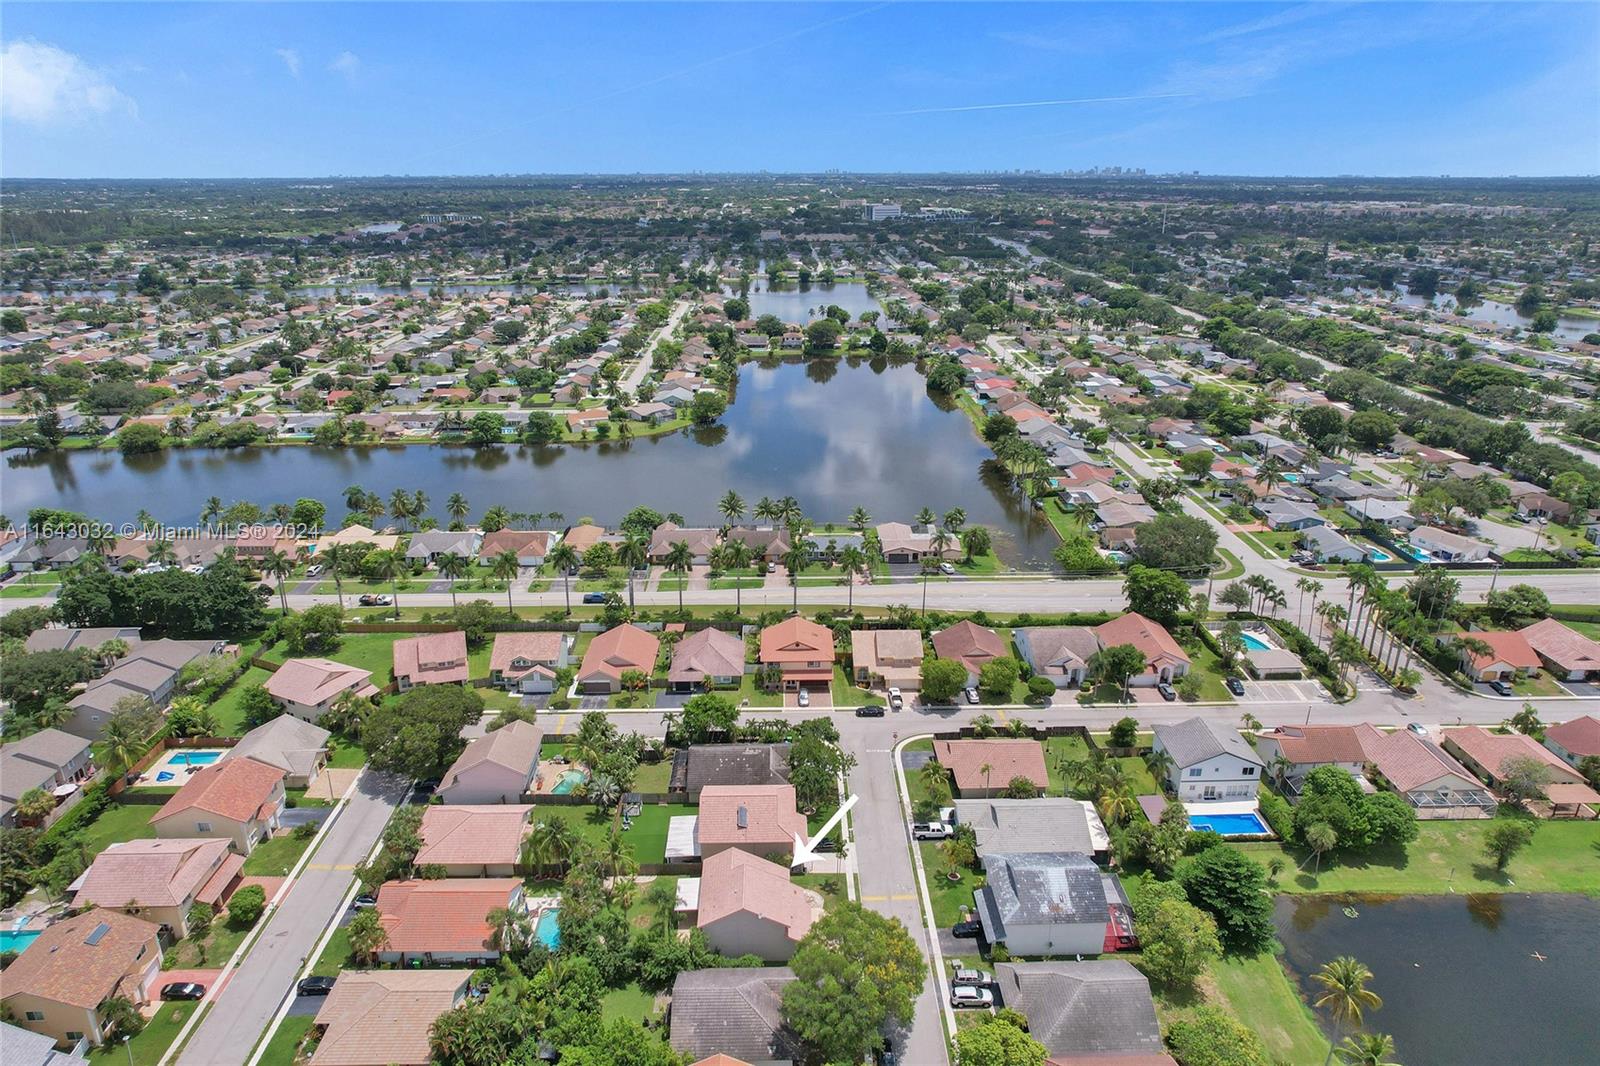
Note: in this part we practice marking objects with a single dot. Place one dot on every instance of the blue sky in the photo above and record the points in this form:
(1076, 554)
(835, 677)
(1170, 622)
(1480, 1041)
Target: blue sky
(240, 90)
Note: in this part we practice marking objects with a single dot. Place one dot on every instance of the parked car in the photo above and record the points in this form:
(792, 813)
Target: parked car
(1521, 516)
(315, 986)
(870, 710)
(1235, 686)
(1418, 728)
(885, 1056)
(969, 977)
(183, 990)
(1501, 688)
(896, 699)
(931, 831)
(772, 568)
(313, 571)
(363, 902)
(970, 693)
(376, 599)
(803, 697)
(1167, 692)
(594, 597)
(968, 930)
(971, 997)
(946, 568)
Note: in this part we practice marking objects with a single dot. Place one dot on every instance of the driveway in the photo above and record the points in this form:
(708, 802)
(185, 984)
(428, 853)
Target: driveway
(1586, 689)
(268, 971)
(294, 816)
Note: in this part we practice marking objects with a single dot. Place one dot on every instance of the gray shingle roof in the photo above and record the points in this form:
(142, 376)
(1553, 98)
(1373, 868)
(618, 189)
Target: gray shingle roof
(1046, 824)
(1199, 739)
(1083, 1008)
(1042, 888)
(735, 1011)
(730, 764)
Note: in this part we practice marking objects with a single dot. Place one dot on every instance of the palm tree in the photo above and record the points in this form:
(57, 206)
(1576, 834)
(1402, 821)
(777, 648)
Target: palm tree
(680, 560)
(1367, 1049)
(211, 511)
(453, 566)
(736, 556)
(1344, 992)
(661, 899)
(633, 552)
(508, 928)
(125, 742)
(986, 769)
(400, 506)
(731, 507)
(506, 567)
(162, 553)
(496, 518)
(354, 498)
(564, 559)
(794, 562)
(853, 561)
(926, 517)
(419, 505)
(1302, 586)
(765, 510)
(616, 856)
(932, 776)
(367, 935)
(1117, 804)
(388, 566)
(456, 507)
(550, 843)
(860, 519)
(1159, 761)
(280, 566)
(338, 558)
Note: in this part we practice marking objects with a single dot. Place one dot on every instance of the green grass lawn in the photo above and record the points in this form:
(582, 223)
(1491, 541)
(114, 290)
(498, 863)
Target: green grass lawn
(335, 956)
(653, 776)
(281, 1048)
(648, 837)
(33, 585)
(1448, 856)
(365, 651)
(749, 693)
(914, 785)
(1260, 995)
(948, 897)
(119, 822)
(830, 887)
(228, 707)
(1057, 749)
(1204, 663)
(630, 1002)
(219, 944)
(297, 798)
(275, 857)
(847, 694)
(346, 755)
(1140, 779)
(148, 1047)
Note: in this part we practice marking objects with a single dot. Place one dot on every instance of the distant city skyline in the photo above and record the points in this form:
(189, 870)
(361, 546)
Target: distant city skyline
(1314, 90)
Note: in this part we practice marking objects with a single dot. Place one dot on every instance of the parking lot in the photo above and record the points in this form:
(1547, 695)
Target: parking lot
(1284, 692)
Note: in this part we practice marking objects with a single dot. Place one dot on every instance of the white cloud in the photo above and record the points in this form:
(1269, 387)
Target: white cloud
(42, 85)
(291, 59)
(347, 64)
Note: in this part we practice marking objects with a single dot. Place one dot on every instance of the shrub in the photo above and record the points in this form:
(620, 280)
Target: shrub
(1278, 814)
(304, 831)
(245, 908)
(1125, 733)
(1208, 1036)
(200, 916)
(1040, 688)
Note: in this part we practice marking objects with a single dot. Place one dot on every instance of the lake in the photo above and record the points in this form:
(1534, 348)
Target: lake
(802, 304)
(1495, 313)
(835, 434)
(1458, 976)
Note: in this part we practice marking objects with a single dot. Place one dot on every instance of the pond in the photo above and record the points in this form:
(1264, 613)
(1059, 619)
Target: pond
(1462, 977)
(807, 302)
(835, 434)
(1495, 313)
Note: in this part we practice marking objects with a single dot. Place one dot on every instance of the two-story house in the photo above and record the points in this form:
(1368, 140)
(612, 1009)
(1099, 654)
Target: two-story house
(1211, 763)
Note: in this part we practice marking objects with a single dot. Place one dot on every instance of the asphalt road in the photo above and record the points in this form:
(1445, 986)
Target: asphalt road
(266, 973)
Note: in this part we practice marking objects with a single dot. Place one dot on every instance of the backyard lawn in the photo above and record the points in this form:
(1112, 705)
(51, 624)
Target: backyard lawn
(1057, 750)
(119, 822)
(228, 709)
(1260, 994)
(648, 837)
(630, 1002)
(653, 776)
(1447, 857)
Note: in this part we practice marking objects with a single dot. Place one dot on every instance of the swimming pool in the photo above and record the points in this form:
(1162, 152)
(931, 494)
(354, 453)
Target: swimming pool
(17, 940)
(1416, 555)
(1230, 825)
(548, 928)
(1378, 555)
(1293, 479)
(1255, 643)
(194, 758)
(569, 781)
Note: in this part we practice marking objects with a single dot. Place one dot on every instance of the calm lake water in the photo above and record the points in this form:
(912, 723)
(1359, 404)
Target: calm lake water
(792, 304)
(1493, 312)
(835, 434)
(1459, 982)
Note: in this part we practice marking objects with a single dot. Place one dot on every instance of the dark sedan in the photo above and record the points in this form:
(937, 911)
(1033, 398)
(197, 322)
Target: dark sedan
(315, 986)
(183, 990)
(967, 930)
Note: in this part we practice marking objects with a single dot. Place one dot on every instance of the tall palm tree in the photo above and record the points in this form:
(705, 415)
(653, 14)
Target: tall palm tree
(1344, 993)
(355, 497)
(633, 552)
(280, 566)
(661, 899)
(400, 506)
(367, 935)
(456, 507)
(162, 553)
(453, 566)
(926, 517)
(736, 556)
(765, 510)
(508, 928)
(860, 519)
(564, 559)
(731, 507)
(680, 560)
(338, 558)
(388, 566)
(853, 561)
(506, 567)
(125, 742)
(955, 518)
(419, 505)
(211, 511)
(1302, 586)
(1367, 1049)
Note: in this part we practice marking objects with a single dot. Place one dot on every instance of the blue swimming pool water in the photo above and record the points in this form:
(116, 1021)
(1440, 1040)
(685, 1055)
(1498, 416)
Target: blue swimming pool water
(548, 929)
(1229, 824)
(1378, 555)
(195, 758)
(1416, 555)
(16, 940)
(1293, 479)
(568, 781)
(1255, 643)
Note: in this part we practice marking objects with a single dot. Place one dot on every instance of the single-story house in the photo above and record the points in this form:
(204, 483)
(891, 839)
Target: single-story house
(901, 543)
(1393, 514)
(531, 545)
(1575, 740)
(237, 800)
(384, 1017)
(527, 662)
(476, 840)
(1060, 653)
(700, 765)
(1510, 656)
(969, 644)
(1096, 1013)
(429, 544)
(1165, 659)
(1448, 546)
(1210, 762)
(1048, 823)
(615, 652)
(59, 986)
(308, 687)
(290, 744)
(735, 1012)
(667, 534)
(1567, 653)
(444, 921)
(1486, 755)
(431, 659)
(1422, 772)
(1304, 748)
(1288, 514)
(706, 659)
(1005, 758)
(1043, 903)
(497, 767)
(1331, 546)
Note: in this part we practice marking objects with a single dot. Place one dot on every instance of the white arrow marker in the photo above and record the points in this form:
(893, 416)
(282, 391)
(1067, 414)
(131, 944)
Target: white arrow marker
(803, 852)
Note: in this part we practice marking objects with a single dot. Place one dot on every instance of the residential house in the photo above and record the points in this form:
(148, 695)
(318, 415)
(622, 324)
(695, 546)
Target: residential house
(668, 534)
(1043, 903)
(969, 644)
(1486, 755)
(1509, 657)
(56, 638)
(985, 768)
(237, 800)
(160, 880)
(1447, 546)
(1575, 740)
(759, 819)
(733, 1012)
(288, 743)
(444, 921)
(767, 545)
(1391, 514)
(886, 658)
(1565, 652)
(734, 765)
(497, 767)
(1060, 653)
(1290, 752)
(531, 545)
(801, 651)
(1428, 778)
(308, 687)
(51, 760)
(1330, 546)
(1287, 514)
(357, 533)
(903, 544)
(429, 545)
(615, 652)
(527, 662)
(706, 659)
(1165, 659)
(1210, 762)
(149, 671)
(22, 1048)
(384, 1017)
(59, 987)
(748, 906)
(1046, 823)
(1097, 1013)
(431, 659)
(473, 840)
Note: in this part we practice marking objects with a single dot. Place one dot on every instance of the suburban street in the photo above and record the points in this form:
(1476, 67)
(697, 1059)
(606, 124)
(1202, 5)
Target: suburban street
(268, 970)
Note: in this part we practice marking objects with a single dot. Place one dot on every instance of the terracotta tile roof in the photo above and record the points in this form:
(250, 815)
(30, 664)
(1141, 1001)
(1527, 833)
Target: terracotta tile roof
(720, 1059)
(531, 648)
(1511, 648)
(311, 681)
(522, 541)
(62, 966)
(1571, 649)
(1319, 743)
(770, 817)
(432, 659)
(234, 788)
(625, 647)
(796, 640)
(472, 835)
(1581, 736)
(733, 881)
(153, 873)
(378, 1017)
(1149, 637)
(969, 644)
(442, 916)
(1005, 758)
(1408, 762)
(1491, 750)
